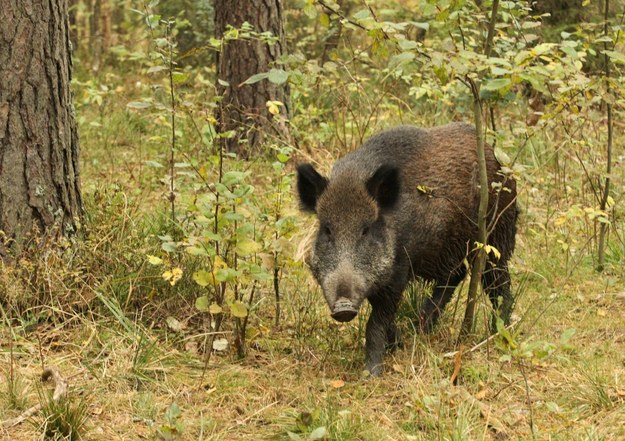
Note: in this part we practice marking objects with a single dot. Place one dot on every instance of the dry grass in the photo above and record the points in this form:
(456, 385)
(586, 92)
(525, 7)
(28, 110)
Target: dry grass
(297, 383)
(130, 367)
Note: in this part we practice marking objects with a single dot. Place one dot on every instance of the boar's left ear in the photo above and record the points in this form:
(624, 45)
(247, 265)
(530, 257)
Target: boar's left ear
(384, 185)
(310, 185)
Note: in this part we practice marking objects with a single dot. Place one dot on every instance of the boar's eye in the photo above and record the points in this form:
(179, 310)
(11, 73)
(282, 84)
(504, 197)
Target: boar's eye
(365, 231)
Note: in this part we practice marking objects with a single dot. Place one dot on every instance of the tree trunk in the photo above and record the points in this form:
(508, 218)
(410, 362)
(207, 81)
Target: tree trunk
(244, 106)
(39, 174)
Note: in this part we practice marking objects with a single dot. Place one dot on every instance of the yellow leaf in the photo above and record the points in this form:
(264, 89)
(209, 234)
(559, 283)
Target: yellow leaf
(218, 264)
(173, 275)
(274, 107)
(153, 260)
(609, 202)
(202, 277)
(247, 247)
(215, 309)
(492, 250)
(238, 309)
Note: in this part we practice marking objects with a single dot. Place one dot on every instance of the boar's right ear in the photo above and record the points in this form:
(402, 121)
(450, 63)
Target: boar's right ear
(384, 186)
(310, 185)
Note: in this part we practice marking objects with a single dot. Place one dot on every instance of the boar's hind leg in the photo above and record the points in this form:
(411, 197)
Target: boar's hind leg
(496, 282)
(380, 330)
(441, 295)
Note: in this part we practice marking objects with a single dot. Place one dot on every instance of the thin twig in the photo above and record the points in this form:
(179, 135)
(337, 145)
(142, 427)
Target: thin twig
(172, 194)
(529, 399)
(480, 344)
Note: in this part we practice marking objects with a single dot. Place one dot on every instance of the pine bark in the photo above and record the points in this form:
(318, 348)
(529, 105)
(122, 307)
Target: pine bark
(243, 108)
(39, 173)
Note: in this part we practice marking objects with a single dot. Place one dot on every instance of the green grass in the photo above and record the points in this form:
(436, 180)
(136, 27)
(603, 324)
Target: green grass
(65, 419)
(98, 311)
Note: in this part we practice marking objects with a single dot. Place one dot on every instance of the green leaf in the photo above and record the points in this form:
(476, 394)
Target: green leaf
(403, 58)
(566, 336)
(278, 76)
(318, 433)
(505, 334)
(421, 25)
(362, 14)
(496, 84)
(139, 105)
(406, 45)
(153, 164)
(161, 42)
(233, 177)
(617, 57)
(226, 274)
(543, 48)
(247, 247)
(155, 69)
(310, 10)
(203, 277)
(324, 19)
(238, 309)
(201, 303)
(179, 77)
(256, 78)
(197, 251)
(170, 247)
(173, 412)
(570, 51)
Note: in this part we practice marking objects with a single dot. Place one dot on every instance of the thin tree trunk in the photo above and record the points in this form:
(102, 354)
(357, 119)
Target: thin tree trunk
(479, 261)
(603, 228)
(39, 173)
(95, 35)
(243, 108)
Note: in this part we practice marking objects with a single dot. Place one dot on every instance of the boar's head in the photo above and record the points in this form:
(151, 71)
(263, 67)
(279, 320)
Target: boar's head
(354, 251)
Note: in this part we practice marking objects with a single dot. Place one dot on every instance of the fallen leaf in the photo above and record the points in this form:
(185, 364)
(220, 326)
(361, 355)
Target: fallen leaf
(337, 384)
(175, 324)
(220, 344)
(457, 365)
(481, 394)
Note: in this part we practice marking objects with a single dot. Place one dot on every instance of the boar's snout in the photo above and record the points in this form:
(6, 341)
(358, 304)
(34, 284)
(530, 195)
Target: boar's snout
(344, 310)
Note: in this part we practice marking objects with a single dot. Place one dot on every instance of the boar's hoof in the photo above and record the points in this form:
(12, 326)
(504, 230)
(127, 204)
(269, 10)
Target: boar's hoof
(344, 310)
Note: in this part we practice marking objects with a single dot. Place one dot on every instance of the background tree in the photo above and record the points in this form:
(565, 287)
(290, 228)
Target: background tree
(39, 173)
(243, 108)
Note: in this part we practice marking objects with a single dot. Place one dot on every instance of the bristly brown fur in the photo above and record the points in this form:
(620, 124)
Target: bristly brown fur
(405, 205)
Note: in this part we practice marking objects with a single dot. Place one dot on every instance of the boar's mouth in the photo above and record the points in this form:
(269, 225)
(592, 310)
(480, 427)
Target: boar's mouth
(344, 310)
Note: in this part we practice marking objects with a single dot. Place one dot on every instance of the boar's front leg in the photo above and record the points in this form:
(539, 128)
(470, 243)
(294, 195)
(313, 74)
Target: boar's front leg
(441, 295)
(380, 331)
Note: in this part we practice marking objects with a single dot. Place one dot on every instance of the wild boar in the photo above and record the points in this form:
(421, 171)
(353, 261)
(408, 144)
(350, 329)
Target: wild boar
(402, 206)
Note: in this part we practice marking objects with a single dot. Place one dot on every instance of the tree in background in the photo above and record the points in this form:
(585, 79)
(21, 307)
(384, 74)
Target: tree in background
(39, 173)
(244, 109)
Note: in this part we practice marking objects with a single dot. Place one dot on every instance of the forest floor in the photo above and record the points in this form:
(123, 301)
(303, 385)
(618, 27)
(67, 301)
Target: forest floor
(293, 383)
(138, 374)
